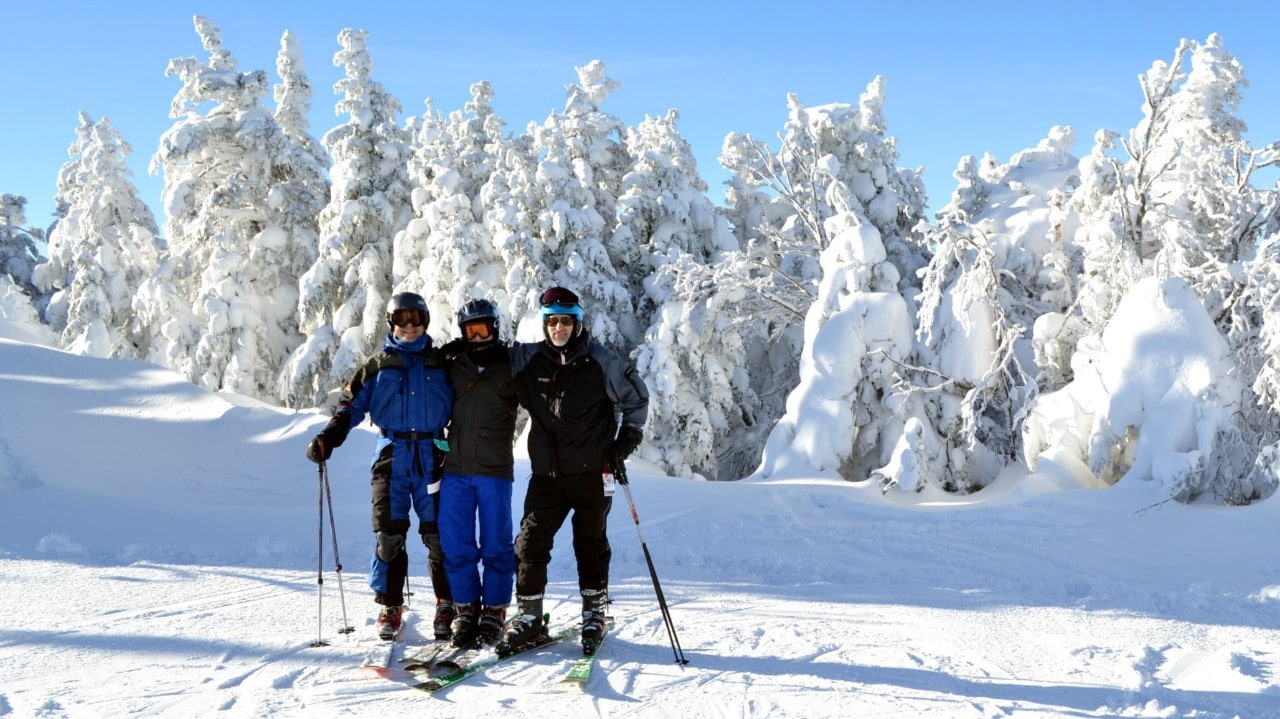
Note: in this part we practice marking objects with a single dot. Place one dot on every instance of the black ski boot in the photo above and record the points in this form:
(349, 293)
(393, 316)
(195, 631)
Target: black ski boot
(525, 627)
(465, 625)
(594, 603)
(490, 624)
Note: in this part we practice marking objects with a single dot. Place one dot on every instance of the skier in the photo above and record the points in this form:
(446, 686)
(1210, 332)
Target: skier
(478, 476)
(574, 389)
(406, 394)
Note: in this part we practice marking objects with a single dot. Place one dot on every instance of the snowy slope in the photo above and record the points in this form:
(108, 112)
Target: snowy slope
(158, 558)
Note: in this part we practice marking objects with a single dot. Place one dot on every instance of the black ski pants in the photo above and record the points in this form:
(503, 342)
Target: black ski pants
(547, 503)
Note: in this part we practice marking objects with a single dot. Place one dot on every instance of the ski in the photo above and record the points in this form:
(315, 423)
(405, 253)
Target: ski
(425, 657)
(381, 656)
(450, 670)
(579, 672)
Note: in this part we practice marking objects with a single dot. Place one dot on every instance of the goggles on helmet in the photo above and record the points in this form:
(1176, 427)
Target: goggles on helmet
(559, 296)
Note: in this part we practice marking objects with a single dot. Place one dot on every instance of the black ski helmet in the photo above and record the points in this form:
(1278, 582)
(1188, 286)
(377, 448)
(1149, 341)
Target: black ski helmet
(475, 310)
(408, 301)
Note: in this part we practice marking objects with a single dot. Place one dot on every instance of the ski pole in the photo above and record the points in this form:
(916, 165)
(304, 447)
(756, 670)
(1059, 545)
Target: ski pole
(620, 471)
(320, 642)
(337, 561)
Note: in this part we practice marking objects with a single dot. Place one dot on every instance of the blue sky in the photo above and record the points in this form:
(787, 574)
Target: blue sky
(962, 79)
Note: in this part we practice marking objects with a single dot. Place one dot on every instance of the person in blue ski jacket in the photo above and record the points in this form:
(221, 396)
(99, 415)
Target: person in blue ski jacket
(479, 472)
(405, 393)
(587, 409)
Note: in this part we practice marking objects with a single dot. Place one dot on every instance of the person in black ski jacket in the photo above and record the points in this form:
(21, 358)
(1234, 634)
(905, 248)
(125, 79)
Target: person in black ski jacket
(404, 391)
(574, 389)
(479, 472)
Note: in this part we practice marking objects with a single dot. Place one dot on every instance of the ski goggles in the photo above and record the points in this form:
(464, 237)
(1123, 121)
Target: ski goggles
(559, 296)
(402, 318)
(478, 330)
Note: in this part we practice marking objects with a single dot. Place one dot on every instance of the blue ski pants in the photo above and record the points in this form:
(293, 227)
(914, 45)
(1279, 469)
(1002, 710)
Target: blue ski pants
(464, 499)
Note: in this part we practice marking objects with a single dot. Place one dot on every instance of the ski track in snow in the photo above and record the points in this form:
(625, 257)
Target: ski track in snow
(235, 643)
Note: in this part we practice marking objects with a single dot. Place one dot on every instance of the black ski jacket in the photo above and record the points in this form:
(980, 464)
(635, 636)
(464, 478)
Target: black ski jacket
(482, 428)
(575, 396)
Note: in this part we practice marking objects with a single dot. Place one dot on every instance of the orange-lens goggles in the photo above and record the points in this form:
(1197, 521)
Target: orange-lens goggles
(481, 330)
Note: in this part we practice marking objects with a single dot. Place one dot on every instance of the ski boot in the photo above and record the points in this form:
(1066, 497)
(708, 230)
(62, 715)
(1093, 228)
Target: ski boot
(490, 624)
(466, 624)
(525, 628)
(593, 619)
(442, 625)
(390, 619)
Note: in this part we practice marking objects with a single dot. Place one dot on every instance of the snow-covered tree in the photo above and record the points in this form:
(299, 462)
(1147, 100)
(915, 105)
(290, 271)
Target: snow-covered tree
(857, 332)
(826, 151)
(229, 232)
(19, 318)
(102, 250)
(446, 253)
(18, 252)
(1156, 400)
(833, 159)
(582, 159)
(999, 268)
(512, 201)
(301, 187)
(705, 417)
(343, 296)
(663, 208)
(1182, 199)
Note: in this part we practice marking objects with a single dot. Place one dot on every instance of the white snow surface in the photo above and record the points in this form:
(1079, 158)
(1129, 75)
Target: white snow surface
(159, 558)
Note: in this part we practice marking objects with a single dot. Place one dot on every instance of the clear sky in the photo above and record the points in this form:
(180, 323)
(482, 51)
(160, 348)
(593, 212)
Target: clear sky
(962, 78)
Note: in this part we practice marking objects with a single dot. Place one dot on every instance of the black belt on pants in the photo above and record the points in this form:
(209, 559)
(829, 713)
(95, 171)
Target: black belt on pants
(412, 436)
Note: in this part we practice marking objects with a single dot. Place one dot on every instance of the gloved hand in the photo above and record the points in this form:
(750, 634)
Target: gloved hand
(319, 450)
(629, 437)
(334, 434)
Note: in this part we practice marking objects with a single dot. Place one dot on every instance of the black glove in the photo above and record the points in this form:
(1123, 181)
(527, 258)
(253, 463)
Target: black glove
(629, 437)
(319, 450)
(334, 434)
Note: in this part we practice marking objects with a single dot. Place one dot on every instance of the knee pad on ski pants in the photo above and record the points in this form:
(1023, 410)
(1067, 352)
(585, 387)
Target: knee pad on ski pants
(389, 545)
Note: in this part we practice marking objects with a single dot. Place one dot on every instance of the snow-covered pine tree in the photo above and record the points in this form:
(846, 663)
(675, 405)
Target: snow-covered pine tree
(431, 155)
(446, 254)
(229, 231)
(301, 188)
(512, 200)
(582, 161)
(102, 250)
(20, 315)
(704, 416)
(18, 252)
(663, 210)
(343, 296)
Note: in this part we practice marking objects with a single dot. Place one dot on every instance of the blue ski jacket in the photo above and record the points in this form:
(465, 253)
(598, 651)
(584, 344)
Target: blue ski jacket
(404, 391)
